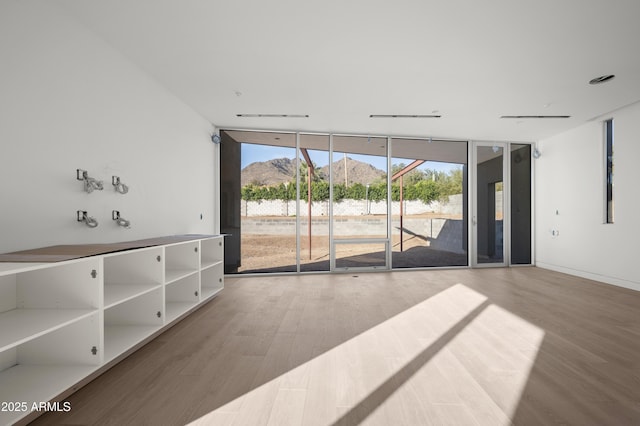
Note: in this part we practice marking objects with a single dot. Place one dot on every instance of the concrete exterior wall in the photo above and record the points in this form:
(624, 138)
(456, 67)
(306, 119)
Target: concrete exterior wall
(277, 217)
(442, 234)
(348, 207)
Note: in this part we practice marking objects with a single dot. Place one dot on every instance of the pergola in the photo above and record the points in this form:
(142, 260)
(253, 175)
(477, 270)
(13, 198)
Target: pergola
(400, 174)
(310, 174)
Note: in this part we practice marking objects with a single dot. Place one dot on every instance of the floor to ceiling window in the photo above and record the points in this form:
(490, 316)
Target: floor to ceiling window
(314, 191)
(429, 207)
(359, 207)
(259, 201)
(520, 204)
(300, 202)
(488, 218)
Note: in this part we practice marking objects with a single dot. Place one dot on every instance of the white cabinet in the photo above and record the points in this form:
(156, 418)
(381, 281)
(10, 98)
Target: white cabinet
(128, 323)
(182, 283)
(61, 322)
(49, 330)
(133, 304)
(211, 266)
(130, 274)
(181, 260)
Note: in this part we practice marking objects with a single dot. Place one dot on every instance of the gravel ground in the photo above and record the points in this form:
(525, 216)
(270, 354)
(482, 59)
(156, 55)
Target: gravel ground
(277, 253)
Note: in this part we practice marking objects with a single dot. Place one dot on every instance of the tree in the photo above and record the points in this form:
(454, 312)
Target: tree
(428, 185)
(318, 174)
(357, 191)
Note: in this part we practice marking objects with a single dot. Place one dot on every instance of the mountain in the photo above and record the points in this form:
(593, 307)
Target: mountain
(269, 173)
(281, 170)
(357, 171)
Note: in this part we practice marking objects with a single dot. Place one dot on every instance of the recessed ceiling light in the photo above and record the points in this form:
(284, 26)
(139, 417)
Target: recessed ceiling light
(601, 79)
(535, 116)
(403, 116)
(273, 115)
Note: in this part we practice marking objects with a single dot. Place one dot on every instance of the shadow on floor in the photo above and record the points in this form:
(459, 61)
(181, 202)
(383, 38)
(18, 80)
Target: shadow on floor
(585, 371)
(414, 257)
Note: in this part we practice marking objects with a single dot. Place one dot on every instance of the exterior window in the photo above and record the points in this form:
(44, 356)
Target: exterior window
(609, 205)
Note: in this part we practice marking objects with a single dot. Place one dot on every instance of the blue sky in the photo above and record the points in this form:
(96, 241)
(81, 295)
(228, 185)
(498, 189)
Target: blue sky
(252, 153)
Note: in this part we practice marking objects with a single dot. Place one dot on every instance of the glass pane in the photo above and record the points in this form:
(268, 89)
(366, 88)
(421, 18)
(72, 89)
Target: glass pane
(365, 255)
(359, 187)
(314, 203)
(520, 204)
(490, 204)
(268, 201)
(230, 202)
(429, 203)
(609, 166)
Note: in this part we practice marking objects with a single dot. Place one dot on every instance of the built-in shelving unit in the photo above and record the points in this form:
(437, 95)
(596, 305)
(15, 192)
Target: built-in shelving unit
(131, 274)
(130, 322)
(211, 266)
(62, 322)
(182, 280)
(181, 261)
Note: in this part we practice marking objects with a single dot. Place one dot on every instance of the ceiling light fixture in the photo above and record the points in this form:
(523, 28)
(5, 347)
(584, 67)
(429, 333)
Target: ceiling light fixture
(601, 79)
(535, 116)
(404, 116)
(273, 115)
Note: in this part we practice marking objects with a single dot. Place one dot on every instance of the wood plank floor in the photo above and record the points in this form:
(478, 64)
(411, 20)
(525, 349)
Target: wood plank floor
(520, 346)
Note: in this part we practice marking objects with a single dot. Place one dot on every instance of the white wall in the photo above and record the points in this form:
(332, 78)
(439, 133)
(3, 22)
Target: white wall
(67, 101)
(570, 179)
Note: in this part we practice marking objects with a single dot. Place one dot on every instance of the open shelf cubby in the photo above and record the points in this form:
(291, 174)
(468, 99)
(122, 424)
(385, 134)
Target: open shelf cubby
(181, 260)
(130, 322)
(212, 280)
(211, 252)
(62, 322)
(182, 295)
(128, 275)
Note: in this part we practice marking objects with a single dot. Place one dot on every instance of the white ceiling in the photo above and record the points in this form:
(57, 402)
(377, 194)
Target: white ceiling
(341, 60)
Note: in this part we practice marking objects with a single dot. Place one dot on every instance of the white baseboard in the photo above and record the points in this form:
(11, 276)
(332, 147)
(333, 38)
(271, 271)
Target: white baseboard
(632, 285)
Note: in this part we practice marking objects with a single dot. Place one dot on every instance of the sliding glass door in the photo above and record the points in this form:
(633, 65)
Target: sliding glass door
(359, 203)
(520, 201)
(296, 202)
(488, 216)
(429, 203)
(313, 203)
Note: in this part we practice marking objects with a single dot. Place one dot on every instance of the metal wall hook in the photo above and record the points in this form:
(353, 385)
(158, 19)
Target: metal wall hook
(90, 184)
(119, 186)
(82, 216)
(115, 215)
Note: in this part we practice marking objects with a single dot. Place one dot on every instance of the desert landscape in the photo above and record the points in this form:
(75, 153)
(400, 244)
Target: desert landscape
(277, 253)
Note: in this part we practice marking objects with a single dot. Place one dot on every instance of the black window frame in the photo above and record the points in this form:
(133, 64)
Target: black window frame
(609, 199)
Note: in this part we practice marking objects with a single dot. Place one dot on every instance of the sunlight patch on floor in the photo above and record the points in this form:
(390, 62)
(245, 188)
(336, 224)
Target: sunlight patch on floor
(453, 358)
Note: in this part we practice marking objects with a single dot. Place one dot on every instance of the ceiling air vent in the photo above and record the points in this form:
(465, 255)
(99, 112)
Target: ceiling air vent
(601, 79)
(273, 115)
(535, 116)
(404, 116)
